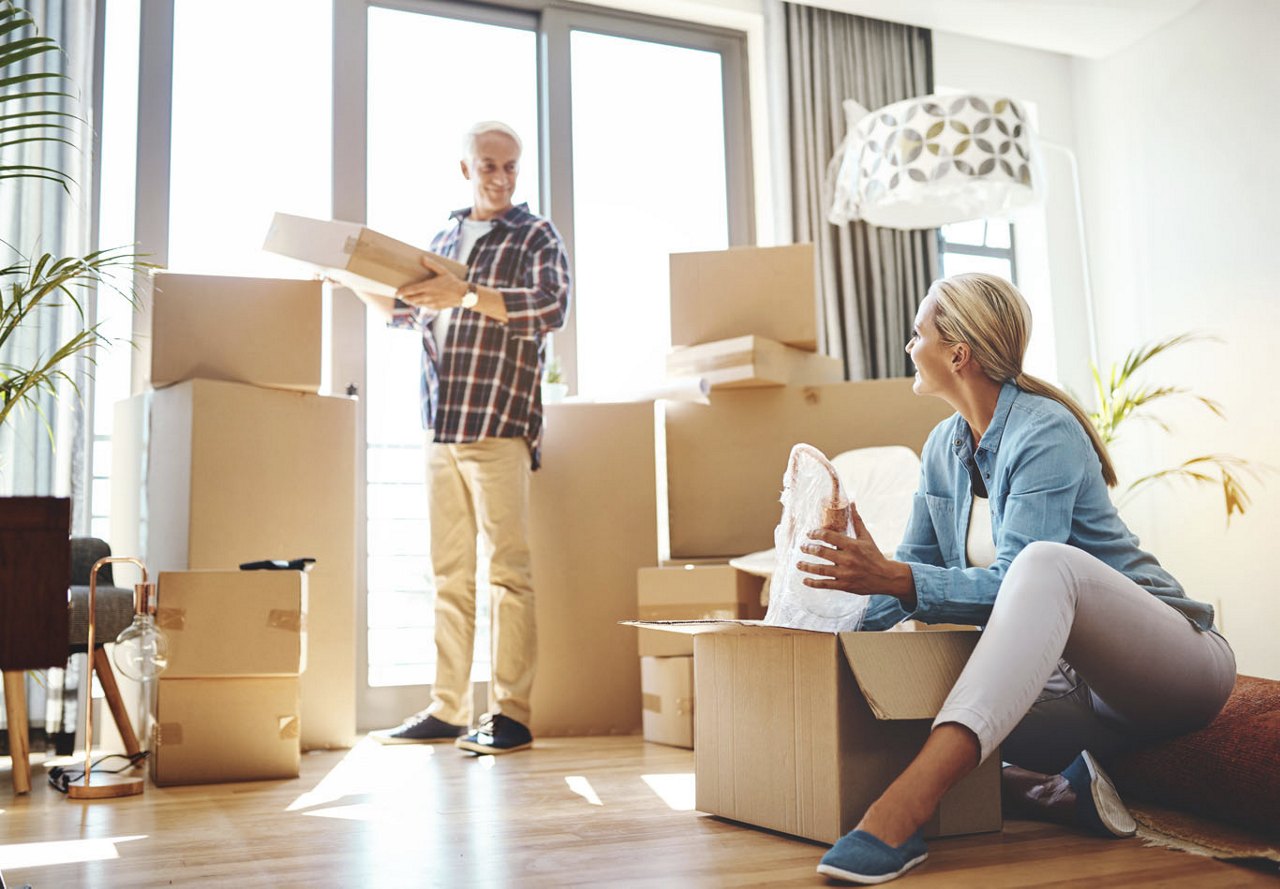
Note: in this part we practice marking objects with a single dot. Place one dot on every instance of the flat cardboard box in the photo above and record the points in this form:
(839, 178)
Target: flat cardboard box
(261, 331)
(692, 592)
(753, 362)
(725, 460)
(666, 688)
(353, 254)
(593, 524)
(233, 623)
(225, 729)
(765, 291)
(216, 474)
(800, 731)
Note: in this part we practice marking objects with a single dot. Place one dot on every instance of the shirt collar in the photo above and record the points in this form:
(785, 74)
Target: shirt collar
(513, 216)
(962, 437)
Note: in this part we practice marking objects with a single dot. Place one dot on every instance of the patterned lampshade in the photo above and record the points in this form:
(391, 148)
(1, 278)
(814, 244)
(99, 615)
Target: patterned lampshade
(931, 160)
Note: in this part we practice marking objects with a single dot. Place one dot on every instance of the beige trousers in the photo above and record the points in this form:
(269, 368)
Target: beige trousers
(481, 487)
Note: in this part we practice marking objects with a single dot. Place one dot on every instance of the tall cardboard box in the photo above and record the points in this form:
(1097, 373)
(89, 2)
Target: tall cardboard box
(261, 331)
(692, 592)
(214, 474)
(593, 523)
(745, 291)
(800, 731)
(239, 728)
(666, 688)
(725, 460)
(753, 362)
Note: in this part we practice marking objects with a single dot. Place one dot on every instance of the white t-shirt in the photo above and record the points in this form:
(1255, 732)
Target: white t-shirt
(472, 231)
(980, 546)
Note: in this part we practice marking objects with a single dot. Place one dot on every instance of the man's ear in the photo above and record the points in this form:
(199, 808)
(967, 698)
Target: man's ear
(466, 171)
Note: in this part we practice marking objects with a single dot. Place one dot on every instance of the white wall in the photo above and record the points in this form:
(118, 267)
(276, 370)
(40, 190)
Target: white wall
(1179, 141)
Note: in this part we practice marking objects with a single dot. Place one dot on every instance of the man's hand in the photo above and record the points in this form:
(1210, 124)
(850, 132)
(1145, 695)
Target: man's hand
(441, 290)
(857, 566)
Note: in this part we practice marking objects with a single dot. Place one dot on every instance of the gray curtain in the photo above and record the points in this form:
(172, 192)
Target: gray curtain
(870, 279)
(44, 454)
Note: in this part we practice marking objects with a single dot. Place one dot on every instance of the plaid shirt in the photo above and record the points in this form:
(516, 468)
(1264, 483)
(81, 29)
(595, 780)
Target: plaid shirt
(487, 382)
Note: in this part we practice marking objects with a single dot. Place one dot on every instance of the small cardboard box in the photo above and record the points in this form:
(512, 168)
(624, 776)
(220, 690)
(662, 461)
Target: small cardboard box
(225, 729)
(359, 257)
(753, 362)
(692, 592)
(800, 731)
(666, 689)
(233, 623)
(765, 291)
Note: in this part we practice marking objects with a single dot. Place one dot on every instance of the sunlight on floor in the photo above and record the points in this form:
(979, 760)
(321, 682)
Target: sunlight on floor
(356, 812)
(362, 771)
(61, 852)
(676, 790)
(582, 787)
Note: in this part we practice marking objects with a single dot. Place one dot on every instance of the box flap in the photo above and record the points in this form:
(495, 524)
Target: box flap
(907, 675)
(721, 627)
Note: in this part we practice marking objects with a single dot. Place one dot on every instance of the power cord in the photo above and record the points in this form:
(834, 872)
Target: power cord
(61, 778)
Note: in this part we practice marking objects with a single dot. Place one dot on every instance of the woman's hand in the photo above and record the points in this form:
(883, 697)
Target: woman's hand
(857, 565)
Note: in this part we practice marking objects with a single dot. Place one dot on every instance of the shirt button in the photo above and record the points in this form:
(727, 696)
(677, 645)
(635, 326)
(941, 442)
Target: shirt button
(958, 442)
(988, 475)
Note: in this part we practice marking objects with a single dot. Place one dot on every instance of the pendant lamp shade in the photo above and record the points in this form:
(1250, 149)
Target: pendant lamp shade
(933, 160)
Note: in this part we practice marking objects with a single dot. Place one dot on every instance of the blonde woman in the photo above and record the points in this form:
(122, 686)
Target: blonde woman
(1089, 645)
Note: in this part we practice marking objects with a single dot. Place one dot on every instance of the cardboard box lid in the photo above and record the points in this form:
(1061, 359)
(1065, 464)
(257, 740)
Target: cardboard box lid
(359, 257)
(902, 675)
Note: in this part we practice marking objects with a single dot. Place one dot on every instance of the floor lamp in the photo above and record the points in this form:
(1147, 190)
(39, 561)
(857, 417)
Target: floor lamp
(933, 160)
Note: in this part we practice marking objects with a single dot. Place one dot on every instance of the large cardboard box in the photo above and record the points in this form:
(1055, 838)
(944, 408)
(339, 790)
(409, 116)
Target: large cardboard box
(800, 731)
(225, 729)
(725, 461)
(753, 362)
(358, 257)
(692, 592)
(233, 623)
(262, 331)
(208, 475)
(594, 522)
(666, 688)
(765, 291)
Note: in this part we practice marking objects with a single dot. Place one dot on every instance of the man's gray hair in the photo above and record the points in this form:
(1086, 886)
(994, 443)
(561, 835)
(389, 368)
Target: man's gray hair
(480, 129)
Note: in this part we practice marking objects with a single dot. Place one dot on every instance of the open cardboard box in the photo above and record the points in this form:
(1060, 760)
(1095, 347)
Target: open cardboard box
(800, 731)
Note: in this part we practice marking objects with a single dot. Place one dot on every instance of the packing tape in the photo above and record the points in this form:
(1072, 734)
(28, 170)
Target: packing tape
(290, 727)
(171, 618)
(168, 734)
(284, 619)
(652, 703)
(684, 706)
(688, 612)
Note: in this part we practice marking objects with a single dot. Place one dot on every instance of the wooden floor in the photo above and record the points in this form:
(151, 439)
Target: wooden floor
(588, 811)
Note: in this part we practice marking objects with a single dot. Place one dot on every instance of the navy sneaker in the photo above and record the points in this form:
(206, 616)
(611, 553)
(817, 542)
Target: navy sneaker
(1098, 804)
(419, 728)
(497, 734)
(859, 857)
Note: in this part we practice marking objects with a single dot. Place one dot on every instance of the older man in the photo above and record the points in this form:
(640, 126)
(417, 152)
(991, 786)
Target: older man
(482, 359)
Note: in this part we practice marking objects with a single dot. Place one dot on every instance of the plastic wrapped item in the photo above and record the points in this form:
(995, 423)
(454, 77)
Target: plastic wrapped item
(812, 497)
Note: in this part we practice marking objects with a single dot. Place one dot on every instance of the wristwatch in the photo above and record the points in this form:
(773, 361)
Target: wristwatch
(471, 297)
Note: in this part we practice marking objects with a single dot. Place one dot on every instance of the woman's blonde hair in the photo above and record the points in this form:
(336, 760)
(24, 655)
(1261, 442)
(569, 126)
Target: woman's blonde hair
(992, 318)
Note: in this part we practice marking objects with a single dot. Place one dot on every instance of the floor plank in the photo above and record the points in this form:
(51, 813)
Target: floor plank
(571, 812)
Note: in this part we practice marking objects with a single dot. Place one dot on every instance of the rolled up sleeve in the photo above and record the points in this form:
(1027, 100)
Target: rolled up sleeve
(541, 305)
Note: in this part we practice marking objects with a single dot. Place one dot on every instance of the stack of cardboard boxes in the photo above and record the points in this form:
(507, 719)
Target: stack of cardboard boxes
(229, 454)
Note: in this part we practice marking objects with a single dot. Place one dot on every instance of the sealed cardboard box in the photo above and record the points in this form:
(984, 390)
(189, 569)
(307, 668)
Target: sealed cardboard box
(765, 291)
(753, 362)
(666, 688)
(261, 331)
(845, 712)
(233, 623)
(358, 257)
(725, 460)
(216, 474)
(225, 729)
(692, 592)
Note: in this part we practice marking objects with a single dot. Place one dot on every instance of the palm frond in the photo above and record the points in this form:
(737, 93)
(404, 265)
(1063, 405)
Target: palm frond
(1224, 470)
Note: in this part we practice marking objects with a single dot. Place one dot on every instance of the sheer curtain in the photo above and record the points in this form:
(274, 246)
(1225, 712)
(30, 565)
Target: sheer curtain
(869, 279)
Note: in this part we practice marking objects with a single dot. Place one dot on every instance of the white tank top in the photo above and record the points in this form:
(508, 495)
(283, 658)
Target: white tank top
(980, 546)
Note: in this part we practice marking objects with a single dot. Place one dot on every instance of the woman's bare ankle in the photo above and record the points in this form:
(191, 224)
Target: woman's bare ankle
(891, 824)
(1037, 797)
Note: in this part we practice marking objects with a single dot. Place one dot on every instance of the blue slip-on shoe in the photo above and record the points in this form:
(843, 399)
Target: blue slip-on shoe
(860, 857)
(1098, 804)
(419, 729)
(497, 734)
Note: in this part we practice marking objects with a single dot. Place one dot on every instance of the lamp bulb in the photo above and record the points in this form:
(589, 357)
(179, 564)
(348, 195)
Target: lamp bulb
(142, 650)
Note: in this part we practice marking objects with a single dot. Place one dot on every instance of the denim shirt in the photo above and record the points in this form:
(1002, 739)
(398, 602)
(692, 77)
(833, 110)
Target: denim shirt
(1044, 481)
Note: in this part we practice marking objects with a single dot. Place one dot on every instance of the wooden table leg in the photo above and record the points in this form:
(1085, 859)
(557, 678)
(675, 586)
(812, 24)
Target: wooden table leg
(15, 705)
(107, 679)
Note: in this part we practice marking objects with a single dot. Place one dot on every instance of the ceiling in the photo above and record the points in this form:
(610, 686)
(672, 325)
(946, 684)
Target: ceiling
(1091, 29)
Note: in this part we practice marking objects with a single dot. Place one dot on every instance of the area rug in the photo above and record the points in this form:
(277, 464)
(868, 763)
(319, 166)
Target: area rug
(1172, 829)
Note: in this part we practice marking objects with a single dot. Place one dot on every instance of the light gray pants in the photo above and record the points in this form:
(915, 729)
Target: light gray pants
(1076, 656)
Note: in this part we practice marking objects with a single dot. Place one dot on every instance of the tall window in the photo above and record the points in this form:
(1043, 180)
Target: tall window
(983, 245)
